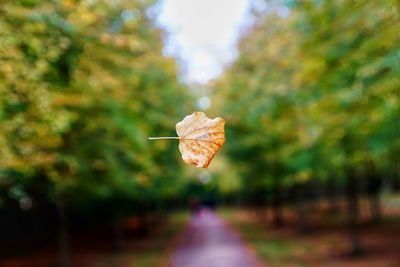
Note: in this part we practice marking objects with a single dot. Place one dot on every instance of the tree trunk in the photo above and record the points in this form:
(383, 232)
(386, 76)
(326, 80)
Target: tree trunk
(277, 219)
(63, 246)
(118, 234)
(331, 191)
(353, 214)
(264, 211)
(374, 185)
(300, 205)
(375, 208)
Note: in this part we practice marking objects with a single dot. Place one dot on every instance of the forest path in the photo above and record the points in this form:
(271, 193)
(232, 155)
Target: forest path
(208, 241)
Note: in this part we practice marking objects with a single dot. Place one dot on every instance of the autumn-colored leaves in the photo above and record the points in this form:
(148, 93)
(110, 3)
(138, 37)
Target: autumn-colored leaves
(200, 138)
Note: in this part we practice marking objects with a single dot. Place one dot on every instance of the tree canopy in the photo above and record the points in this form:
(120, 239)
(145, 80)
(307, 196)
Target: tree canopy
(314, 92)
(82, 86)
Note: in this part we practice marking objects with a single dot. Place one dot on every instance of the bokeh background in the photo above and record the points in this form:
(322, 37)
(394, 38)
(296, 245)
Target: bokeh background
(310, 91)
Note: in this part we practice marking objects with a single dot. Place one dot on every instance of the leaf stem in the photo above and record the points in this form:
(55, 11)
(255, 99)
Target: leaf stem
(164, 138)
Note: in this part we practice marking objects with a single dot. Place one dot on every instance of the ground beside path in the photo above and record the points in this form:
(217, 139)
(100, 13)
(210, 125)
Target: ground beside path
(326, 243)
(208, 241)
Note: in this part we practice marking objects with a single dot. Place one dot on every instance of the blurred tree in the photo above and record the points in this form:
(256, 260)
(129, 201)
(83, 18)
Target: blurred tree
(314, 95)
(82, 85)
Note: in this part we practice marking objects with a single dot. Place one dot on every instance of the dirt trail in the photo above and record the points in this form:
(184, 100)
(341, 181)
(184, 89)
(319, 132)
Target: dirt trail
(209, 242)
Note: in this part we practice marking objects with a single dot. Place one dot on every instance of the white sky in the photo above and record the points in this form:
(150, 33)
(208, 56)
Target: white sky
(202, 34)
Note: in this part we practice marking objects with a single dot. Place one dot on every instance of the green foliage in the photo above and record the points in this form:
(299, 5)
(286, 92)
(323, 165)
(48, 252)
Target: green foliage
(314, 92)
(82, 86)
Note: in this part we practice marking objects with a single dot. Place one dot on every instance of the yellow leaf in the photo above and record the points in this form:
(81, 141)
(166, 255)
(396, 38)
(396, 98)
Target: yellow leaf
(200, 138)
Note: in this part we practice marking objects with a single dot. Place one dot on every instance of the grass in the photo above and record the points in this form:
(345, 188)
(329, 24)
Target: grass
(391, 200)
(271, 250)
(327, 243)
(149, 251)
(160, 248)
(95, 249)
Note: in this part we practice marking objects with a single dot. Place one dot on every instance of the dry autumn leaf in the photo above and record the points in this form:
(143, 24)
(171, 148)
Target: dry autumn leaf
(200, 138)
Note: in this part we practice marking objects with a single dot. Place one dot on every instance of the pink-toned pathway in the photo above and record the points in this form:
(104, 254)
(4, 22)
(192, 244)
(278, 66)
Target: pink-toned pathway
(209, 242)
